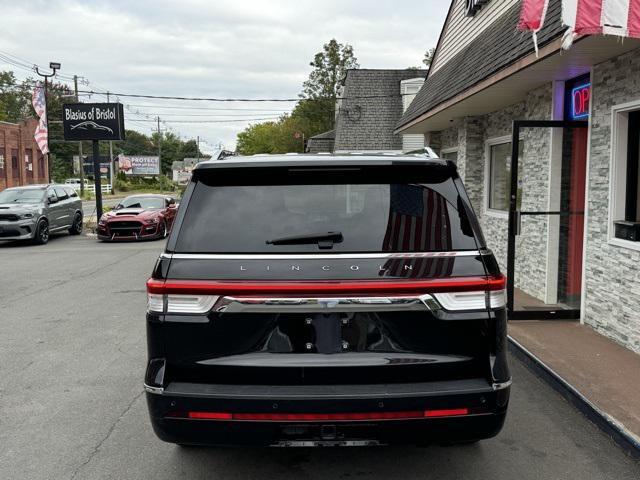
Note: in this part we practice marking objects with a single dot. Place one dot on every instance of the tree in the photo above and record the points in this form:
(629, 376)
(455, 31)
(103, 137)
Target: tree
(313, 114)
(15, 98)
(329, 68)
(135, 143)
(428, 57)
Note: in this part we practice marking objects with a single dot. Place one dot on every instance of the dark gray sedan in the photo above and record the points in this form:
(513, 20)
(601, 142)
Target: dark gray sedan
(36, 211)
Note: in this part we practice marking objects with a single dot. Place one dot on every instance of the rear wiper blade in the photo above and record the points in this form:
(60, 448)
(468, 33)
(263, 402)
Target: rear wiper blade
(324, 240)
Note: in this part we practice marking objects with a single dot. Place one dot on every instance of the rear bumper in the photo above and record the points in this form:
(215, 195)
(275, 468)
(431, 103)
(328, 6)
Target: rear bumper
(340, 405)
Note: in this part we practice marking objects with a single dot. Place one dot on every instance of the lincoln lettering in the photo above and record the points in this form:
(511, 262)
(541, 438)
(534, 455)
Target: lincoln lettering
(326, 268)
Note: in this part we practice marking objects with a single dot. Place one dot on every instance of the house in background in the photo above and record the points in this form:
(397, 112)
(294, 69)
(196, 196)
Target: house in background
(181, 170)
(322, 143)
(369, 106)
(370, 103)
(21, 161)
(569, 239)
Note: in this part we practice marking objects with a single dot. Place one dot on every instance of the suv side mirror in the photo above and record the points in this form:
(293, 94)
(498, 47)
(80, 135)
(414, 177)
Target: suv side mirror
(52, 199)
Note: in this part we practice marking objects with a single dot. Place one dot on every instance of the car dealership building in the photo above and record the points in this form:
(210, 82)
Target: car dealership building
(558, 128)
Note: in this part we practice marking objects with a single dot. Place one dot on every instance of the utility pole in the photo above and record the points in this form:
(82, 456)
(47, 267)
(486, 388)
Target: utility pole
(111, 162)
(198, 148)
(75, 86)
(160, 154)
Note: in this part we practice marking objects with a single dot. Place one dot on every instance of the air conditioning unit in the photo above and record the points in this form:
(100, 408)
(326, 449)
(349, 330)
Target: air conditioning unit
(628, 230)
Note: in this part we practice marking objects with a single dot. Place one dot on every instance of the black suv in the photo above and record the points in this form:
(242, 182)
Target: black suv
(326, 300)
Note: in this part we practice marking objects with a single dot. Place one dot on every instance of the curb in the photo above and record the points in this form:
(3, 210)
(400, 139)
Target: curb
(611, 427)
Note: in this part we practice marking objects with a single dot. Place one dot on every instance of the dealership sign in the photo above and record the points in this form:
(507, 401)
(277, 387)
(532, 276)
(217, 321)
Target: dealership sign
(93, 121)
(139, 165)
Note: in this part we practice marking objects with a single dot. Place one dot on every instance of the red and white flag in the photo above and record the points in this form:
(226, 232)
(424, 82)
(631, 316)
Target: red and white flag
(608, 17)
(585, 17)
(532, 13)
(41, 135)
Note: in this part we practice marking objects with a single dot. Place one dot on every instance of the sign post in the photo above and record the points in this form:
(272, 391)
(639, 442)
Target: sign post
(95, 122)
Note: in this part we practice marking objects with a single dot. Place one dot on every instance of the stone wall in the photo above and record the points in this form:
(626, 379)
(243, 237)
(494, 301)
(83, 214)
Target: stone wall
(612, 290)
(469, 135)
(612, 272)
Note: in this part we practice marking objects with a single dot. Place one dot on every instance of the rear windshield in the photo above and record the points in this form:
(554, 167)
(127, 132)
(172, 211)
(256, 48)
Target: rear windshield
(324, 217)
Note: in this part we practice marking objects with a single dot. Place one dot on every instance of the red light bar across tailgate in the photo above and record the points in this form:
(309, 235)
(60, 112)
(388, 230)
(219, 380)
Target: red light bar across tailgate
(205, 287)
(335, 417)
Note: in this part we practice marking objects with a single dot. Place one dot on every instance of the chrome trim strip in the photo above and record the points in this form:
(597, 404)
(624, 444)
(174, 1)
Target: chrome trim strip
(154, 390)
(318, 304)
(317, 256)
(502, 385)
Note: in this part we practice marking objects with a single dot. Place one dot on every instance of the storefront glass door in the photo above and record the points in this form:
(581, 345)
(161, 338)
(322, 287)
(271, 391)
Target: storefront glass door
(546, 219)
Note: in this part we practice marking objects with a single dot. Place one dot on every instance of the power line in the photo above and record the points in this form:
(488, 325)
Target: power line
(181, 107)
(216, 121)
(208, 99)
(215, 114)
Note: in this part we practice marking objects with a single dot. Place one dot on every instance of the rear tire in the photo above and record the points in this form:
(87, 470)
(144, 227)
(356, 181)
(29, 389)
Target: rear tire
(41, 237)
(76, 227)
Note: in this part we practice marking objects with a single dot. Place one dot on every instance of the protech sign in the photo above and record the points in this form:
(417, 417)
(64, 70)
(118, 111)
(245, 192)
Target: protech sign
(93, 121)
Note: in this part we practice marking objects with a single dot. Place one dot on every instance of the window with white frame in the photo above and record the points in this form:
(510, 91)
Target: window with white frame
(624, 213)
(499, 173)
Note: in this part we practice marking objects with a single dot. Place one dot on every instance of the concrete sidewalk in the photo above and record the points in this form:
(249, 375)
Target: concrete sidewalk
(606, 374)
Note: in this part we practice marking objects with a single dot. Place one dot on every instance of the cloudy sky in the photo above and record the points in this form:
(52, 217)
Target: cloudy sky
(221, 49)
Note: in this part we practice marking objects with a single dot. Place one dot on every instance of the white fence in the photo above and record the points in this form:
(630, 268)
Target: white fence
(90, 187)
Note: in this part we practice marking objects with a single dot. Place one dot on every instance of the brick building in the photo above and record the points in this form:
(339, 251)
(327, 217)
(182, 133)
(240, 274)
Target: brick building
(21, 161)
(565, 236)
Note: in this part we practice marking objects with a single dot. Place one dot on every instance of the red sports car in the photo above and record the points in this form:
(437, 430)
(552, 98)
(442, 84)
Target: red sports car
(138, 217)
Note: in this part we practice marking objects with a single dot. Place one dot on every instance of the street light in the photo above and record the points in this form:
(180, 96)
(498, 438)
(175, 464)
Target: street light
(54, 66)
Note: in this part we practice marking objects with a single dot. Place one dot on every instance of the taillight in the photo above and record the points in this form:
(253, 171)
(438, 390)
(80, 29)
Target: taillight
(479, 300)
(200, 296)
(319, 417)
(194, 304)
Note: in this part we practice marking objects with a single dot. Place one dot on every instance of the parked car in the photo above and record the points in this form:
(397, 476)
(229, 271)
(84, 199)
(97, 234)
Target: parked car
(35, 212)
(326, 300)
(138, 217)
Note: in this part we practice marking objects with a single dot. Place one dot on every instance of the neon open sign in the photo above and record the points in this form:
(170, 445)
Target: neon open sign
(580, 97)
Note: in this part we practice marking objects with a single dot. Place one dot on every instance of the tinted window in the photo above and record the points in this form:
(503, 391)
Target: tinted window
(71, 192)
(143, 202)
(372, 217)
(61, 193)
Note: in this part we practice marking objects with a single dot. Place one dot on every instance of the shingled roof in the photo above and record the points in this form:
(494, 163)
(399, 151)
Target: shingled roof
(328, 135)
(370, 108)
(499, 46)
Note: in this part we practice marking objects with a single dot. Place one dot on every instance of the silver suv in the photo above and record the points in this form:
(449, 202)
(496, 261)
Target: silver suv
(35, 211)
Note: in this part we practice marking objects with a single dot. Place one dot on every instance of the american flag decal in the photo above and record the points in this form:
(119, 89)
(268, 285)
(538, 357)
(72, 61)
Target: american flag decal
(42, 130)
(418, 222)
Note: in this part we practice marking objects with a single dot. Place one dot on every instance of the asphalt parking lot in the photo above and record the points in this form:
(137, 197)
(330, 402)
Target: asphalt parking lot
(72, 356)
